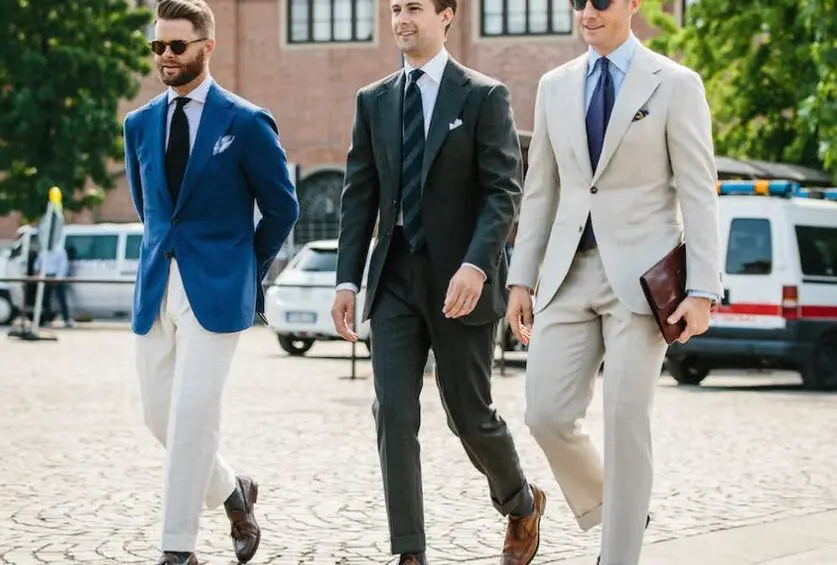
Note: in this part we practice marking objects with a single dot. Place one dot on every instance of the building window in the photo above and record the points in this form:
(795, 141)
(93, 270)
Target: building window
(526, 17)
(329, 21)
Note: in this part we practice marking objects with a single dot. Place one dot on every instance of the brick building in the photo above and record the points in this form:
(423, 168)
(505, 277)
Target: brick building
(305, 59)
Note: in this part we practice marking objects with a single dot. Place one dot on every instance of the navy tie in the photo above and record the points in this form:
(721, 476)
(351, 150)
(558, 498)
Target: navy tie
(177, 154)
(598, 116)
(412, 151)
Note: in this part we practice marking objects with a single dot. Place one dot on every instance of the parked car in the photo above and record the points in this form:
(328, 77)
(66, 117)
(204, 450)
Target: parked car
(298, 302)
(779, 309)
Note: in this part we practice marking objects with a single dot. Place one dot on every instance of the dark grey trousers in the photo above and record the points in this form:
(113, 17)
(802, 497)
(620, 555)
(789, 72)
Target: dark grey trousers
(406, 321)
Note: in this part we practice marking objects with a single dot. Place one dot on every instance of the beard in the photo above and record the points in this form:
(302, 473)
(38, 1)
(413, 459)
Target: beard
(187, 72)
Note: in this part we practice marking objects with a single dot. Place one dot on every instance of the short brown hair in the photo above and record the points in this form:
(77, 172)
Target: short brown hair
(442, 5)
(197, 12)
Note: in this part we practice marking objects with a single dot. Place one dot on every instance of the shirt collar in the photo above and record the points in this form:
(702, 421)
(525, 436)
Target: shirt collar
(199, 94)
(620, 57)
(434, 68)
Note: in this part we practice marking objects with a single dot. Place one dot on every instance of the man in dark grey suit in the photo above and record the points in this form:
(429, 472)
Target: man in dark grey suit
(435, 153)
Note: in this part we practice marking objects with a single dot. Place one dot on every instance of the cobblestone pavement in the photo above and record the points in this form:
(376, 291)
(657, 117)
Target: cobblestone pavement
(81, 479)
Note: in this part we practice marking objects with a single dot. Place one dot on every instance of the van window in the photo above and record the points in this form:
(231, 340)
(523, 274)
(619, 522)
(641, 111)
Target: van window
(132, 246)
(750, 248)
(92, 247)
(316, 260)
(817, 250)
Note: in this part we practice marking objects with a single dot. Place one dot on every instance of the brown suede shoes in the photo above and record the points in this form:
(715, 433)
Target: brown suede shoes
(523, 534)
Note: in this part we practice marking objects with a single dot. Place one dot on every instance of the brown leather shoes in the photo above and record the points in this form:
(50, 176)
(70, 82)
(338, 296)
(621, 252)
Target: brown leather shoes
(523, 534)
(410, 559)
(244, 530)
(169, 558)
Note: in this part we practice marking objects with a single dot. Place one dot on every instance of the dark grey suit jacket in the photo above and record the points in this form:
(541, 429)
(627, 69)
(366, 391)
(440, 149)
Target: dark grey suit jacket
(471, 184)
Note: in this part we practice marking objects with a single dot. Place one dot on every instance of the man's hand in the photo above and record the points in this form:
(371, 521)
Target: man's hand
(343, 314)
(464, 291)
(519, 314)
(695, 310)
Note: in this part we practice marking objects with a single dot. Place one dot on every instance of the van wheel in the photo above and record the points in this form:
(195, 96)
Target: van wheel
(820, 373)
(687, 371)
(295, 346)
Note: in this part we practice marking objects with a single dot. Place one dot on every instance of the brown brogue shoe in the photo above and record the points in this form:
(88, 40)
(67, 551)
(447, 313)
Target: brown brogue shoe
(523, 533)
(244, 529)
(169, 558)
(411, 559)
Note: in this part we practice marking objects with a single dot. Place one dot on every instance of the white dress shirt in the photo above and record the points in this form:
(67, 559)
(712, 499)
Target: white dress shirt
(193, 109)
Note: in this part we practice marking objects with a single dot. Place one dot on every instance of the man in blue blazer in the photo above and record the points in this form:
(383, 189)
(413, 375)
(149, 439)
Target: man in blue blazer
(198, 160)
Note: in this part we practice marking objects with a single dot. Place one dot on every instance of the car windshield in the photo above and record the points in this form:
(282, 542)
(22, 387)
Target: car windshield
(817, 250)
(316, 260)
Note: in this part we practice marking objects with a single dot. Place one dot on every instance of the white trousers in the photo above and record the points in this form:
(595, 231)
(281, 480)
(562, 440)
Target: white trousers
(182, 369)
(584, 324)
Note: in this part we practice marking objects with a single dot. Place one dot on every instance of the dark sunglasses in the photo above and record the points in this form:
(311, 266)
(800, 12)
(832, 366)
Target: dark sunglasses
(178, 46)
(600, 5)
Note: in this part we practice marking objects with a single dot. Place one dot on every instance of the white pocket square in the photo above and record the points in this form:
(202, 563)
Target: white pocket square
(454, 124)
(222, 144)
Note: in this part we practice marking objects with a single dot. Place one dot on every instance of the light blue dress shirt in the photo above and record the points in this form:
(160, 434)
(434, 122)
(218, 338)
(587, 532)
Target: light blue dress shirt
(620, 61)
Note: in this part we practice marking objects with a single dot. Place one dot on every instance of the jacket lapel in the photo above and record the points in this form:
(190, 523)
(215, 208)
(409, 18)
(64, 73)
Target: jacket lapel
(451, 98)
(391, 99)
(215, 118)
(640, 83)
(578, 116)
(158, 113)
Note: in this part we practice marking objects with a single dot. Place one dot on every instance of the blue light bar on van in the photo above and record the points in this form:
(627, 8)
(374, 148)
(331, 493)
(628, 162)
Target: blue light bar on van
(817, 193)
(760, 187)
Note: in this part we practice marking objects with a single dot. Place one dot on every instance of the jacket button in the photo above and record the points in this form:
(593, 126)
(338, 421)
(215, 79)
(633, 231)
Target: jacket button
(175, 221)
(594, 190)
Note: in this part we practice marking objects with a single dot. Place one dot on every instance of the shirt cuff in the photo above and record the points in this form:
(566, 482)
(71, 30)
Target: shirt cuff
(477, 268)
(347, 286)
(704, 294)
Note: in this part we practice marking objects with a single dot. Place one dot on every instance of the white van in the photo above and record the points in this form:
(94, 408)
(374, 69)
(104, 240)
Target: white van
(96, 251)
(779, 308)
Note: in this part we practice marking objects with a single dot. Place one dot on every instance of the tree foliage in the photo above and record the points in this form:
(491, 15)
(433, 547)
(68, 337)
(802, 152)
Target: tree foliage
(769, 70)
(64, 67)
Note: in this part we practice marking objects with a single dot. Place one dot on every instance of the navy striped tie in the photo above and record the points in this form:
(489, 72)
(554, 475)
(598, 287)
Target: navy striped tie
(412, 151)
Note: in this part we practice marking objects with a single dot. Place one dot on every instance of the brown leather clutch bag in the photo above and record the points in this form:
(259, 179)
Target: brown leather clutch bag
(664, 286)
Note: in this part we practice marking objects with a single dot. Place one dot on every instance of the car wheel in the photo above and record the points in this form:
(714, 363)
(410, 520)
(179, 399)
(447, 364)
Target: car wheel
(295, 346)
(687, 371)
(7, 310)
(820, 373)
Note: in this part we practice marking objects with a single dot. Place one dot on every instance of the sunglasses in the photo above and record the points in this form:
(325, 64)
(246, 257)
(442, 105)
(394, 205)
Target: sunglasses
(178, 46)
(600, 5)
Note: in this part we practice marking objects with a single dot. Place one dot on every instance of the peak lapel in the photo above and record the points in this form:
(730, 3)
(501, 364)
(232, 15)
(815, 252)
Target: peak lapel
(158, 114)
(215, 118)
(391, 99)
(640, 83)
(451, 98)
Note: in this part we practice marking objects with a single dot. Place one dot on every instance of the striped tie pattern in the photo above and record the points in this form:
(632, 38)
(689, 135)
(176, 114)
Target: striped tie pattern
(412, 151)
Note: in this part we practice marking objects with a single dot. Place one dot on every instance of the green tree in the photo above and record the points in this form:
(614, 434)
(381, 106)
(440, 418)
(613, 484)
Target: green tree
(769, 71)
(64, 67)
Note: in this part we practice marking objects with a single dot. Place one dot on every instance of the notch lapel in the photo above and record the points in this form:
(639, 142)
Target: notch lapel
(158, 113)
(391, 99)
(449, 102)
(216, 116)
(578, 116)
(640, 83)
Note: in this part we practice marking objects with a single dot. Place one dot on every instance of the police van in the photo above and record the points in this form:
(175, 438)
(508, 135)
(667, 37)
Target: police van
(108, 251)
(779, 309)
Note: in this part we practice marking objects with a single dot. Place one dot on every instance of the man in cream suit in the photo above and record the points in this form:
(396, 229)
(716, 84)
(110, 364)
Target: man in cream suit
(621, 168)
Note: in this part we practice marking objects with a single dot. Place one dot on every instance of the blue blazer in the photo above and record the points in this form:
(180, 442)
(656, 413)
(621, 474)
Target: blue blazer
(221, 255)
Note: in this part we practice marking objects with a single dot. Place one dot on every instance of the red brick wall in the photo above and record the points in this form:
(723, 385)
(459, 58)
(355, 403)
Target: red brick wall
(310, 89)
